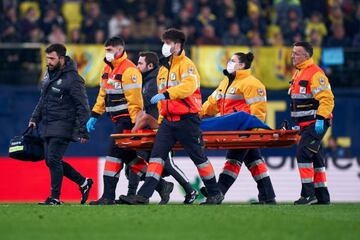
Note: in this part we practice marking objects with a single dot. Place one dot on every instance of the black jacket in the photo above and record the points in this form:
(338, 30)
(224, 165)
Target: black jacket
(149, 90)
(63, 106)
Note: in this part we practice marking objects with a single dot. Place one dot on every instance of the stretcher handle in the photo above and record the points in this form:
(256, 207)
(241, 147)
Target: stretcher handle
(258, 132)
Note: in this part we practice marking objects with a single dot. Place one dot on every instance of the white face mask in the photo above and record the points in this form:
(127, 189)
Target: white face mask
(230, 67)
(166, 50)
(109, 56)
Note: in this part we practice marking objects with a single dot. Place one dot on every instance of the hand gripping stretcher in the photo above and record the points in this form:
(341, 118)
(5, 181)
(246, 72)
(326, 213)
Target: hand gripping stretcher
(144, 139)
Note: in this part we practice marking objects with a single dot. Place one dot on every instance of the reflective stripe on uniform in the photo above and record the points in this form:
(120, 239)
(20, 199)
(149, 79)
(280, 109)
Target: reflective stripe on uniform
(307, 180)
(138, 166)
(170, 84)
(155, 168)
(255, 99)
(111, 174)
(113, 166)
(234, 161)
(320, 89)
(305, 165)
(301, 96)
(184, 75)
(306, 172)
(232, 168)
(258, 169)
(230, 173)
(261, 176)
(113, 159)
(322, 169)
(303, 113)
(320, 184)
(117, 108)
(114, 91)
(132, 86)
(234, 96)
(254, 163)
(206, 170)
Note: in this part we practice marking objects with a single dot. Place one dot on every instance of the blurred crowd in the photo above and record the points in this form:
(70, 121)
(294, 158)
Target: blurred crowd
(326, 23)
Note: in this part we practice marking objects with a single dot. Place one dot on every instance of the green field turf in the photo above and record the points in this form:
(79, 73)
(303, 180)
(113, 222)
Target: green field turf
(228, 221)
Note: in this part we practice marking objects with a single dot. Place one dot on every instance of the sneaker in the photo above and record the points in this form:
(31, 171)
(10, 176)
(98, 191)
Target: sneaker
(267, 202)
(134, 200)
(305, 200)
(165, 193)
(103, 201)
(85, 190)
(191, 197)
(51, 201)
(204, 191)
(214, 200)
(321, 203)
(120, 201)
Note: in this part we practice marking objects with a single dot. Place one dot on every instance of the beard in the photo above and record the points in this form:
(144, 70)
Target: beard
(54, 68)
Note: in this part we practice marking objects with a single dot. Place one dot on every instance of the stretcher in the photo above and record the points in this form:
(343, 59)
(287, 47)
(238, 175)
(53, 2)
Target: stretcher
(144, 140)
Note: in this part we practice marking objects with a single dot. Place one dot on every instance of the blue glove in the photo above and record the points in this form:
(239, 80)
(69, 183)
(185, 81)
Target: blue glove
(155, 99)
(90, 125)
(319, 126)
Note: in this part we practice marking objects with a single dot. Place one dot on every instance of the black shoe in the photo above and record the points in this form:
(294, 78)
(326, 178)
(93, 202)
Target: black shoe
(305, 200)
(85, 190)
(103, 201)
(213, 200)
(190, 198)
(120, 201)
(267, 202)
(165, 193)
(134, 200)
(50, 201)
(204, 191)
(321, 203)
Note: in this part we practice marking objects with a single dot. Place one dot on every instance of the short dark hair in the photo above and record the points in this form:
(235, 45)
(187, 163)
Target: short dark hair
(307, 47)
(60, 49)
(174, 35)
(246, 58)
(115, 41)
(150, 57)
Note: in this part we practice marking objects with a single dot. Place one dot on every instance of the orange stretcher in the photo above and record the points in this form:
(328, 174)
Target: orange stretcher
(144, 140)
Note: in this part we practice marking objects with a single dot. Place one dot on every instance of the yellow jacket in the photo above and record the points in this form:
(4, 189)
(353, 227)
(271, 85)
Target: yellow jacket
(319, 87)
(180, 83)
(242, 93)
(120, 90)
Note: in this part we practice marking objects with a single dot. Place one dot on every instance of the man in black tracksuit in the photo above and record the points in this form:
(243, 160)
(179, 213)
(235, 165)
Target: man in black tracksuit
(148, 65)
(63, 109)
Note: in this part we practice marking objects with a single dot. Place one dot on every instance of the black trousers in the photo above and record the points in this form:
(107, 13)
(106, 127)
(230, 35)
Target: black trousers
(54, 151)
(256, 165)
(170, 169)
(311, 163)
(119, 157)
(187, 132)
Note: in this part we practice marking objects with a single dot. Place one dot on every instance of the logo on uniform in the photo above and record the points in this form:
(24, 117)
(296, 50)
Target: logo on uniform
(133, 78)
(218, 96)
(58, 82)
(172, 76)
(111, 82)
(191, 70)
(232, 90)
(117, 85)
(261, 92)
(161, 86)
(322, 81)
(303, 90)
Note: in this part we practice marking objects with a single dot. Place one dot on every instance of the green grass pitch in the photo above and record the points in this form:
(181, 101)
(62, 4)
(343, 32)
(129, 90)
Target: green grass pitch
(175, 221)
